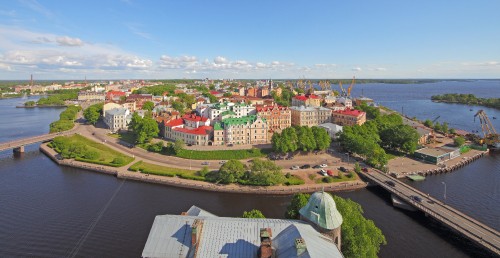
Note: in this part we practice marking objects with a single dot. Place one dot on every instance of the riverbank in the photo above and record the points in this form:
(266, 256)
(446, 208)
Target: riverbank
(199, 185)
(43, 106)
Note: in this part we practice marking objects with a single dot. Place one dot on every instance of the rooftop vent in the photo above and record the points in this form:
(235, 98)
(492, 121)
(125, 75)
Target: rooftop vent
(300, 245)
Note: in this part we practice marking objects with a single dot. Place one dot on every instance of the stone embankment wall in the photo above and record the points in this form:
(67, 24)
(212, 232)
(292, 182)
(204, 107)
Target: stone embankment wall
(465, 161)
(191, 184)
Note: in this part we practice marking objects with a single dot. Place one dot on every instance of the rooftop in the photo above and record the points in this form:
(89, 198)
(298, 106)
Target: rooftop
(241, 120)
(202, 130)
(117, 111)
(350, 112)
(193, 117)
(171, 236)
(434, 152)
(322, 210)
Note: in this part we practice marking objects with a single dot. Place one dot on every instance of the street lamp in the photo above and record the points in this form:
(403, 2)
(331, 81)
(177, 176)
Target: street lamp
(444, 191)
(347, 153)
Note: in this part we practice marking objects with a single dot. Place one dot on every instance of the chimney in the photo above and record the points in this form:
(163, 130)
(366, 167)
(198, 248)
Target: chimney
(265, 250)
(196, 232)
(300, 245)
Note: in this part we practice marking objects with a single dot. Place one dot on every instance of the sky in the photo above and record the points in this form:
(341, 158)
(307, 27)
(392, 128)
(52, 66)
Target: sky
(259, 39)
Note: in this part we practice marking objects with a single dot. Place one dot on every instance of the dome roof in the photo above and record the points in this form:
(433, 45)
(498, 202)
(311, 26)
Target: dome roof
(322, 211)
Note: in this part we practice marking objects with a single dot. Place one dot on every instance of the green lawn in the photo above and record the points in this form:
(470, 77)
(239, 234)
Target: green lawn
(148, 168)
(337, 179)
(79, 147)
(125, 136)
(294, 180)
(223, 154)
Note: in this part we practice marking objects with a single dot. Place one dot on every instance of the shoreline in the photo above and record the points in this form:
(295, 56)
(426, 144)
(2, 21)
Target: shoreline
(43, 106)
(123, 173)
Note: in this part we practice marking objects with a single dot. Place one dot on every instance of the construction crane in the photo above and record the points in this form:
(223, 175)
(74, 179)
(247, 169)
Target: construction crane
(343, 94)
(301, 84)
(490, 135)
(435, 119)
(350, 87)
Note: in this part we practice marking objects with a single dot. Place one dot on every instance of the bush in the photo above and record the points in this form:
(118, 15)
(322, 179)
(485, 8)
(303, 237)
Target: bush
(327, 179)
(93, 155)
(118, 160)
(204, 171)
(312, 176)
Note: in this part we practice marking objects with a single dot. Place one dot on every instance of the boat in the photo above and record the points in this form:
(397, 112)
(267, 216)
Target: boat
(470, 109)
(494, 117)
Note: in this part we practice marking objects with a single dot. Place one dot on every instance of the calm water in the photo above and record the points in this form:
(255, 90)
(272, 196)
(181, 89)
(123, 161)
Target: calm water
(53, 211)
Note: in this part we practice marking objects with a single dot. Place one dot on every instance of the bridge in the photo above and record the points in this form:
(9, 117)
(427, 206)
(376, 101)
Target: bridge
(472, 229)
(18, 145)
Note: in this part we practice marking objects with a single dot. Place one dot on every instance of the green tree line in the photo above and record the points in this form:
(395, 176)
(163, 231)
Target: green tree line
(469, 99)
(301, 138)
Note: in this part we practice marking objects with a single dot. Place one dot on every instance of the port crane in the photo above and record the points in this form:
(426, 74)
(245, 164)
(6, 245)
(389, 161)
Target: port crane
(350, 87)
(490, 135)
(343, 93)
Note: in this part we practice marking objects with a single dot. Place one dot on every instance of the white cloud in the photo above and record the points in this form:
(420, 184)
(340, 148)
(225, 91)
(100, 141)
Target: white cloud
(69, 42)
(134, 28)
(37, 7)
(220, 60)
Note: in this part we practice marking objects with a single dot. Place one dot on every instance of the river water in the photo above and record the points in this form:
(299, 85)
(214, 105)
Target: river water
(52, 211)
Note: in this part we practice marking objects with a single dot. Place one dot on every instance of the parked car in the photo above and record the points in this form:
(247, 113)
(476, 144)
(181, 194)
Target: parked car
(391, 183)
(189, 144)
(317, 166)
(306, 166)
(230, 145)
(323, 172)
(329, 172)
(289, 158)
(222, 162)
(416, 198)
(323, 165)
(364, 170)
(205, 163)
(294, 167)
(343, 169)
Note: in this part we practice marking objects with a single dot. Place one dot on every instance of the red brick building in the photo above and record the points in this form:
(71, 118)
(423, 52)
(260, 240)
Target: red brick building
(277, 117)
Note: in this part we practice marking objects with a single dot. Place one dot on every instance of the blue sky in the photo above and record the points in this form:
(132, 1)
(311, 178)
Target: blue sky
(249, 39)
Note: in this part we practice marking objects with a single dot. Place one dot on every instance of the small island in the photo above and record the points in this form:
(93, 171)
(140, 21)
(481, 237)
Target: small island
(468, 99)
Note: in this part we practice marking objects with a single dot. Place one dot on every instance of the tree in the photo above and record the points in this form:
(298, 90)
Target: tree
(444, 128)
(298, 201)
(253, 214)
(227, 94)
(179, 106)
(400, 137)
(230, 172)
(452, 131)
(30, 103)
(148, 105)
(306, 141)
(438, 127)
(265, 172)
(428, 123)
(93, 113)
(321, 137)
(360, 236)
(357, 167)
(144, 128)
(157, 147)
(178, 145)
(204, 171)
(459, 141)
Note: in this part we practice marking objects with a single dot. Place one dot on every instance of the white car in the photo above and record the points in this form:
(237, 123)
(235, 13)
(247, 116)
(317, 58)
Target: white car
(294, 167)
(323, 172)
(323, 165)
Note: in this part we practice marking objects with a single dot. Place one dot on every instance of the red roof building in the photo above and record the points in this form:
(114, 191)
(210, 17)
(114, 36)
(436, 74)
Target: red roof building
(349, 117)
(192, 129)
(277, 117)
(306, 100)
(114, 95)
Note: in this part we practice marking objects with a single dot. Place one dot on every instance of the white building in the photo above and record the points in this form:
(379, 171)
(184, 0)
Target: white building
(332, 129)
(347, 102)
(220, 111)
(117, 119)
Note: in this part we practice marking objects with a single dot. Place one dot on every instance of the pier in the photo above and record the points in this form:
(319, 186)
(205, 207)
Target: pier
(463, 224)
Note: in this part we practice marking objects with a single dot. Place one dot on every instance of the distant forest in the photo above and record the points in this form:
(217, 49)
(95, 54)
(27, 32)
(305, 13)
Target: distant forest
(468, 99)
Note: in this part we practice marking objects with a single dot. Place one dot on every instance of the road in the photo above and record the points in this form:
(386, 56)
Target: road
(465, 225)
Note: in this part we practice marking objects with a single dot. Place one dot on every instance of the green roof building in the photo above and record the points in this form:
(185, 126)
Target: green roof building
(322, 212)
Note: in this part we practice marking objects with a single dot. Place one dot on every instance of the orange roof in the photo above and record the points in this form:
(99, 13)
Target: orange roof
(174, 122)
(267, 108)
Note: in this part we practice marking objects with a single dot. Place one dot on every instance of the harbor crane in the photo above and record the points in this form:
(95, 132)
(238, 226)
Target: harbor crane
(342, 89)
(490, 135)
(350, 86)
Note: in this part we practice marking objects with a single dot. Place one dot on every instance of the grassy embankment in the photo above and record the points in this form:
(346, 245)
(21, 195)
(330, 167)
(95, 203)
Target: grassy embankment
(85, 150)
(342, 177)
(199, 155)
(66, 120)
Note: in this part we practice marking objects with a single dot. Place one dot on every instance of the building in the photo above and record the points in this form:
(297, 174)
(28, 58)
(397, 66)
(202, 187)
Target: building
(220, 111)
(332, 129)
(310, 116)
(347, 102)
(115, 95)
(349, 117)
(365, 100)
(436, 155)
(109, 106)
(277, 117)
(244, 130)
(306, 100)
(321, 211)
(198, 233)
(117, 119)
(190, 128)
(91, 96)
(139, 99)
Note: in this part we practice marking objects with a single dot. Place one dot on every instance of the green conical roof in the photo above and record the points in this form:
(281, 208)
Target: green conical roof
(322, 211)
